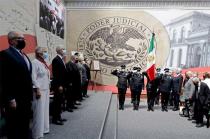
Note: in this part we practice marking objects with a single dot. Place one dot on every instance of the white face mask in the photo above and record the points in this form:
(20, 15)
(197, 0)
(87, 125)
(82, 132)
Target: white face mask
(45, 55)
(64, 52)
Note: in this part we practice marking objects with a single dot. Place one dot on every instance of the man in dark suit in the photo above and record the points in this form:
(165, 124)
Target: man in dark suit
(86, 65)
(58, 84)
(16, 87)
(203, 100)
(177, 81)
(74, 83)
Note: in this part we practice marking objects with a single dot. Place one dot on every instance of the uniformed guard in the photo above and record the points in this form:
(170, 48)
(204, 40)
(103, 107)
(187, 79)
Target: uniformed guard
(136, 86)
(165, 89)
(122, 85)
(158, 76)
(151, 88)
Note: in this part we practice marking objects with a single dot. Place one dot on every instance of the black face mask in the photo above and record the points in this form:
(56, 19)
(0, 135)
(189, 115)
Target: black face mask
(21, 44)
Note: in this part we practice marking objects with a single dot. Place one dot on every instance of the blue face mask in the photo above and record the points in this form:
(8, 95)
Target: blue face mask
(45, 55)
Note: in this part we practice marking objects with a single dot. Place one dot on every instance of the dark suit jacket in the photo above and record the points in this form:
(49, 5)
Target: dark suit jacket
(177, 84)
(73, 76)
(204, 94)
(16, 81)
(59, 73)
(87, 71)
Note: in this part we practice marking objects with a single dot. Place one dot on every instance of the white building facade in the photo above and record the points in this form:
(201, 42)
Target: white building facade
(190, 41)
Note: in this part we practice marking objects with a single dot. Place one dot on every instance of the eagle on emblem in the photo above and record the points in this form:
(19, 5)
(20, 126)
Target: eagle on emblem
(117, 36)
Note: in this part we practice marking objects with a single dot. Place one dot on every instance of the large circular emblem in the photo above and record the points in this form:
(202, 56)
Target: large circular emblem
(115, 41)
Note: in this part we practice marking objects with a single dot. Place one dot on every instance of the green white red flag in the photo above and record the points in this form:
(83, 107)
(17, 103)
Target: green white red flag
(151, 59)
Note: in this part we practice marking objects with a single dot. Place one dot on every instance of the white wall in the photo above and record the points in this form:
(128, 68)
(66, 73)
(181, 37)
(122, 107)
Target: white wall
(22, 16)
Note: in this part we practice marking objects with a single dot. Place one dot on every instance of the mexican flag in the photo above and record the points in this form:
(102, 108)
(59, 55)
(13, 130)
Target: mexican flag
(151, 59)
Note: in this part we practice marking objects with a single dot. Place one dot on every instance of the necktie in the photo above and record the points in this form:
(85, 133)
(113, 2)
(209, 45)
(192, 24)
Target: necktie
(25, 59)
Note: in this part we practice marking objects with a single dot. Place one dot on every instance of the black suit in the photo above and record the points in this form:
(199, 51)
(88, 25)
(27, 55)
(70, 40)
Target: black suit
(16, 85)
(59, 79)
(176, 89)
(74, 78)
(201, 102)
(88, 77)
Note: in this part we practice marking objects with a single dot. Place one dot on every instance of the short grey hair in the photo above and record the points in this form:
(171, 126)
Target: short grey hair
(38, 50)
(12, 34)
(58, 49)
(195, 79)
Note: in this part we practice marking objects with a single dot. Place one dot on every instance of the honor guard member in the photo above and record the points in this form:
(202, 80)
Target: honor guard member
(158, 77)
(136, 86)
(165, 89)
(122, 85)
(151, 88)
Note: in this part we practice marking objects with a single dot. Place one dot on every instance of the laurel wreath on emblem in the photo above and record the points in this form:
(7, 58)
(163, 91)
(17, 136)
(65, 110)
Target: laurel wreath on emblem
(109, 46)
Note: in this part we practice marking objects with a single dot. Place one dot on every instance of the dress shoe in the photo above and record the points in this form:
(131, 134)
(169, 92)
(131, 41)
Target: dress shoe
(175, 109)
(189, 119)
(199, 125)
(122, 107)
(74, 107)
(86, 96)
(76, 103)
(166, 110)
(162, 109)
(151, 109)
(148, 109)
(56, 122)
(194, 121)
(70, 110)
(63, 120)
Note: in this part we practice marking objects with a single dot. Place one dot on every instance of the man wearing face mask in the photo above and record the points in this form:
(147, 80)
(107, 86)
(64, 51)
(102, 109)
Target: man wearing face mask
(41, 85)
(59, 84)
(122, 85)
(136, 86)
(16, 87)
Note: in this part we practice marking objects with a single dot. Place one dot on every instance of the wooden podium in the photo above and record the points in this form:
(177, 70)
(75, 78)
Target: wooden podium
(95, 76)
(96, 69)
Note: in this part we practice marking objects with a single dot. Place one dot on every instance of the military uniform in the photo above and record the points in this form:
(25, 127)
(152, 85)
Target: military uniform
(165, 89)
(151, 87)
(122, 85)
(136, 86)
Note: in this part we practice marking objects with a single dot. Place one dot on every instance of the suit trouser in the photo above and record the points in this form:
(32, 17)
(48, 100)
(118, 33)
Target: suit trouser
(157, 97)
(175, 96)
(164, 99)
(150, 98)
(70, 97)
(85, 87)
(57, 105)
(121, 96)
(200, 115)
(17, 122)
(136, 97)
(40, 108)
(132, 97)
